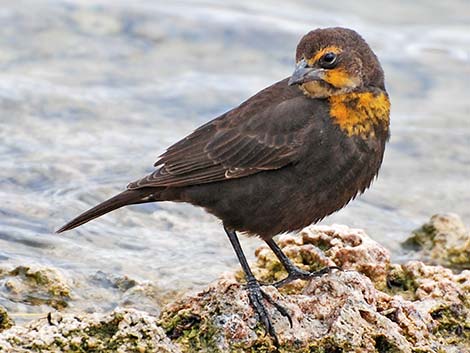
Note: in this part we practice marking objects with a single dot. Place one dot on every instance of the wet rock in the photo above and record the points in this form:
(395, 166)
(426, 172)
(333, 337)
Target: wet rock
(371, 306)
(444, 240)
(125, 292)
(123, 330)
(5, 321)
(35, 285)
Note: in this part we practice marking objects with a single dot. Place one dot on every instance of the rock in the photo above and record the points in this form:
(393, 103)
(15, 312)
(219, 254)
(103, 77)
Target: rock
(5, 321)
(319, 246)
(444, 240)
(371, 306)
(422, 309)
(30, 291)
(35, 285)
(123, 330)
(338, 311)
(125, 292)
(440, 298)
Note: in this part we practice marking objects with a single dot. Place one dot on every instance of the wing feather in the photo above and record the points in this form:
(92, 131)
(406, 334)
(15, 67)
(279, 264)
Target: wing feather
(259, 135)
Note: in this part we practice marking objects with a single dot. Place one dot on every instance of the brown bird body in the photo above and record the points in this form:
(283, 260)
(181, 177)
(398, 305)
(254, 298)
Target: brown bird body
(297, 188)
(287, 157)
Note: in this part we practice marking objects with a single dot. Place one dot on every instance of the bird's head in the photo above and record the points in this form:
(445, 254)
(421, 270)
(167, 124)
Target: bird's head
(334, 61)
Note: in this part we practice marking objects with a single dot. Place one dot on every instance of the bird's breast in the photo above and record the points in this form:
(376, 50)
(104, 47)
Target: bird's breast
(360, 113)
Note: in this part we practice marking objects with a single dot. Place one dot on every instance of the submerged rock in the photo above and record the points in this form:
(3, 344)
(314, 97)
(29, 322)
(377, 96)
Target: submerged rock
(125, 292)
(371, 306)
(35, 285)
(444, 240)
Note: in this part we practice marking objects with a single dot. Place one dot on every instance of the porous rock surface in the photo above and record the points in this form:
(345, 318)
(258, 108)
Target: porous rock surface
(371, 305)
(123, 330)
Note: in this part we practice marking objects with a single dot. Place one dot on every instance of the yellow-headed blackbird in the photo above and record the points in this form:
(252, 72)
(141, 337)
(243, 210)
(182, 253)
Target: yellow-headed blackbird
(285, 158)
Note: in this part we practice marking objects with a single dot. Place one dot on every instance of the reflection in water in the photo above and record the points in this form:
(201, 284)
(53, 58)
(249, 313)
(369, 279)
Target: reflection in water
(92, 92)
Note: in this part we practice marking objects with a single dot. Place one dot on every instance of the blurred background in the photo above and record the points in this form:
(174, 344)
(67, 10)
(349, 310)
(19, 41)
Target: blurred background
(91, 92)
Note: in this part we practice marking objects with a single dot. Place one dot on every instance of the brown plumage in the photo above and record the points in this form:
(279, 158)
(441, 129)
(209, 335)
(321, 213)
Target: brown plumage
(287, 157)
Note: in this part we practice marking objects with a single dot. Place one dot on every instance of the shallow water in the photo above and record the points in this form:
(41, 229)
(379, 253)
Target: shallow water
(92, 91)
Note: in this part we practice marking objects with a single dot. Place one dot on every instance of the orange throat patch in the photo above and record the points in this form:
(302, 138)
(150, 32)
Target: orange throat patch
(358, 113)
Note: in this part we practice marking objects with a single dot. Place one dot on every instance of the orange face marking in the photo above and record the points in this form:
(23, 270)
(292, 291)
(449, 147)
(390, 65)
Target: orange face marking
(340, 78)
(331, 49)
(315, 89)
(358, 113)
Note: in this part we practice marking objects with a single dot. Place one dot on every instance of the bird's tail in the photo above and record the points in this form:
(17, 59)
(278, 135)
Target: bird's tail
(128, 197)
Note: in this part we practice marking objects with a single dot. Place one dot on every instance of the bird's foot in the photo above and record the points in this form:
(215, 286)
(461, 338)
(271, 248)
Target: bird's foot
(256, 295)
(297, 273)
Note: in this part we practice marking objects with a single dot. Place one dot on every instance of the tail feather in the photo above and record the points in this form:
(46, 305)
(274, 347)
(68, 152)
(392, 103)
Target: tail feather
(128, 197)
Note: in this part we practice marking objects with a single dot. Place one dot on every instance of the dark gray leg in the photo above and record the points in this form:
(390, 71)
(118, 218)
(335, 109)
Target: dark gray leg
(253, 287)
(293, 272)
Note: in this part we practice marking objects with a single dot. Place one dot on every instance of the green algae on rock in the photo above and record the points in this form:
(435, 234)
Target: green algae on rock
(439, 296)
(444, 240)
(5, 321)
(35, 285)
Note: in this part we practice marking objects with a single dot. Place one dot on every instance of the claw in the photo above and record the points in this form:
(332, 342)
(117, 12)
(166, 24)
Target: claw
(279, 307)
(256, 295)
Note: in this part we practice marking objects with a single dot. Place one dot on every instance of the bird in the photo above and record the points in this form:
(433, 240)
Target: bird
(284, 159)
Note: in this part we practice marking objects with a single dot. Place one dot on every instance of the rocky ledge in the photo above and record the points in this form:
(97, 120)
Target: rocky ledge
(371, 305)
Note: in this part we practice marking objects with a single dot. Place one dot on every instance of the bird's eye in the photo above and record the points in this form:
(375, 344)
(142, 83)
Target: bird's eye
(328, 60)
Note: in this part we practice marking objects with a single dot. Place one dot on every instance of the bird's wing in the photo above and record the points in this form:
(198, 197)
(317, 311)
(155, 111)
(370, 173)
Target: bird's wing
(266, 132)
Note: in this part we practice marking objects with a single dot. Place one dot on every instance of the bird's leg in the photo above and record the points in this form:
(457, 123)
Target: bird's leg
(293, 272)
(255, 293)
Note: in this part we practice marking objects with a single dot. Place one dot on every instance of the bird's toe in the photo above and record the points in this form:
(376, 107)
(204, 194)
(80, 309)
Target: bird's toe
(256, 296)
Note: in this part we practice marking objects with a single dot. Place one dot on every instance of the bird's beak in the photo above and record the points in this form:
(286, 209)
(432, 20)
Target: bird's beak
(303, 73)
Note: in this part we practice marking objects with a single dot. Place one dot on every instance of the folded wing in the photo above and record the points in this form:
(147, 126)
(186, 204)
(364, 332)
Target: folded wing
(266, 132)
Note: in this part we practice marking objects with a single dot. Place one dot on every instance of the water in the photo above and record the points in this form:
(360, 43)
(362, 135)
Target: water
(92, 91)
